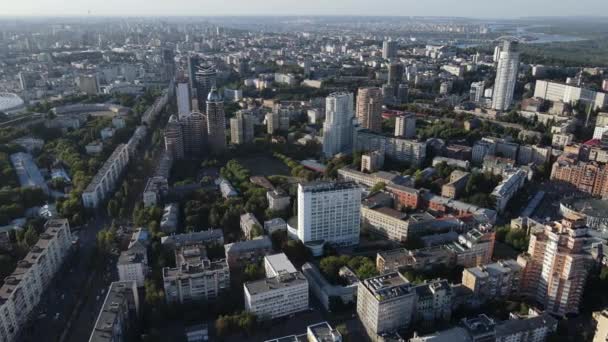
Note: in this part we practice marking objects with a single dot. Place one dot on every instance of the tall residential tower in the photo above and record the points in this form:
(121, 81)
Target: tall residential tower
(506, 76)
(338, 127)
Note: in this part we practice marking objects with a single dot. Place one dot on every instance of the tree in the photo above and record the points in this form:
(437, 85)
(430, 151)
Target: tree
(253, 272)
(377, 187)
(113, 208)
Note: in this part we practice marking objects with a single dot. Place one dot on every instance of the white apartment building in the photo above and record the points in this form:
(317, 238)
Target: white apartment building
(372, 161)
(385, 304)
(279, 296)
(118, 314)
(405, 126)
(506, 76)
(338, 126)
(329, 211)
(556, 92)
(104, 182)
(22, 289)
(195, 277)
(504, 191)
(132, 264)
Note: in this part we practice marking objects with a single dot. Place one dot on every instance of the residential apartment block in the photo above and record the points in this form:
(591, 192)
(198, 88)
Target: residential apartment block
(195, 277)
(329, 211)
(24, 287)
(106, 179)
(555, 268)
(497, 280)
(591, 177)
(118, 313)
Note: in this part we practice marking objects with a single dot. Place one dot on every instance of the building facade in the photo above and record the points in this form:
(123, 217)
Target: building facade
(329, 211)
(369, 108)
(23, 288)
(506, 76)
(338, 128)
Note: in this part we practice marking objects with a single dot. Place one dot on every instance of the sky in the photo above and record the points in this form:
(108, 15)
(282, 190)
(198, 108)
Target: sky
(456, 8)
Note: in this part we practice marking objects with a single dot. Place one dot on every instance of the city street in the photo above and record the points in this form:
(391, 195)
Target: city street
(51, 316)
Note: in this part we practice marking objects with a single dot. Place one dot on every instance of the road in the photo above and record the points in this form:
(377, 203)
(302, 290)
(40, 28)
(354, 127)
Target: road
(51, 316)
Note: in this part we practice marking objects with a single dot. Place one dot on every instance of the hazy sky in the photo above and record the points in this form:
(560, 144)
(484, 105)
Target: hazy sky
(462, 8)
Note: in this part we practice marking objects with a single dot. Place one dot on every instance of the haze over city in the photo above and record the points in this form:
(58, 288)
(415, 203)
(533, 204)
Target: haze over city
(303, 171)
(464, 8)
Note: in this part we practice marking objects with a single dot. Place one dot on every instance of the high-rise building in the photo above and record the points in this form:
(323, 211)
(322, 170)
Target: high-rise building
(338, 128)
(395, 73)
(193, 63)
(477, 90)
(174, 138)
(589, 177)
(405, 126)
(184, 99)
(506, 76)
(168, 63)
(389, 49)
(556, 266)
(205, 80)
(369, 108)
(329, 211)
(194, 129)
(216, 122)
(241, 128)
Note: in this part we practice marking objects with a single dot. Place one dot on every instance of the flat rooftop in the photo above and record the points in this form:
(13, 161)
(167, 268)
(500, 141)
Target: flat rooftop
(274, 283)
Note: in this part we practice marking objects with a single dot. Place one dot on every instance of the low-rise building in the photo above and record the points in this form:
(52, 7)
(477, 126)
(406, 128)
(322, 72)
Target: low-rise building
(324, 291)
(239, 254)
(204, 237)
(278, 296)
(385, 221)
(250, 226)
(274, 225)
(457, 184)
(277, 200)
(28, 173)
(320, 332)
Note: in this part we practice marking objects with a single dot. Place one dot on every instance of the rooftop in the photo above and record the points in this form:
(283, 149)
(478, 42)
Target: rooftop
(281, 281)
(112, 310)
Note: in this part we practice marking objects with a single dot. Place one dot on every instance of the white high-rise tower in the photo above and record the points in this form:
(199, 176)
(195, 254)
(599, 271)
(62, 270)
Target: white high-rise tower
(338, 126)
(506, 76)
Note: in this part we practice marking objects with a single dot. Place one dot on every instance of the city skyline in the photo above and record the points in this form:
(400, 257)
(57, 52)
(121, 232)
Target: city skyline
(408, 8)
